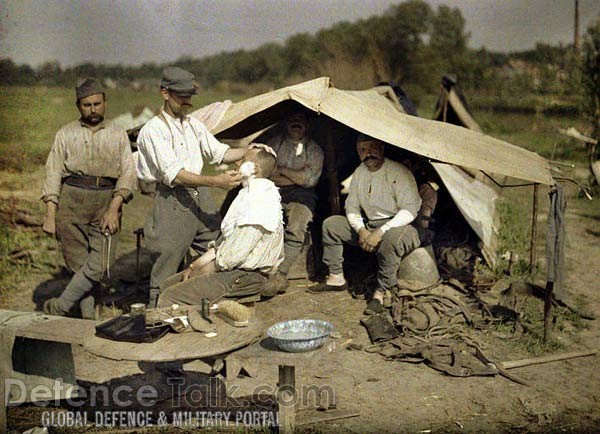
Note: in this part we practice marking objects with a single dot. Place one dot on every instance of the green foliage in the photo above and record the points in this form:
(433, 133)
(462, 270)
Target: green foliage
(31, 116)
(22, 252)
(513, 236)
(591, 75)
(410, 43)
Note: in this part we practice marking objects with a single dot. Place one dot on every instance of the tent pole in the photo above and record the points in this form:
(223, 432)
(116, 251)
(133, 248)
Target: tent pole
(334, 196)
(534, 214)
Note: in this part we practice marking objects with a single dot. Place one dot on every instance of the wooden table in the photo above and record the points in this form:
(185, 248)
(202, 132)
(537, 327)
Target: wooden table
(36, 350)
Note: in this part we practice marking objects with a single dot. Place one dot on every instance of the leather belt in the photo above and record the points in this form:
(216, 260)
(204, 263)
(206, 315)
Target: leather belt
(90, 182)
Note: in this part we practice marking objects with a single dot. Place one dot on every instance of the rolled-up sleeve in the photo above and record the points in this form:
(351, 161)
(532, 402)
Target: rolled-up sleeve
(157, 161)
(127, 181)
(212, 150)
(55, 169)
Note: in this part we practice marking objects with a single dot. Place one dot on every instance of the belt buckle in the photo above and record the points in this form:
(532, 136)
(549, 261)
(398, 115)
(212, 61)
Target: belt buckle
(97, 182)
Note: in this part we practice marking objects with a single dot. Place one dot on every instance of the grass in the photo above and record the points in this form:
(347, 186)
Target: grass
(30, 117)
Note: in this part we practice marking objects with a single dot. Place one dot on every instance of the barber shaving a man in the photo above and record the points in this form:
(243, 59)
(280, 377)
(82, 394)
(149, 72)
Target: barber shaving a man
(381, 205)
(250, 246)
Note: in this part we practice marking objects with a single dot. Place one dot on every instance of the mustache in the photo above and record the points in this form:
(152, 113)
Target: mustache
(370, 157)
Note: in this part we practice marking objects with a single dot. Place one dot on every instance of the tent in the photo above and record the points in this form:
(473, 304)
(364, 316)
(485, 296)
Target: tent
(452, 107)
(460, 156)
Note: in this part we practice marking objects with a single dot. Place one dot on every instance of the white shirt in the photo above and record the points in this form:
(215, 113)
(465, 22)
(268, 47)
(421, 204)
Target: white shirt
(167, 147)
(252, 229)
(390, 192)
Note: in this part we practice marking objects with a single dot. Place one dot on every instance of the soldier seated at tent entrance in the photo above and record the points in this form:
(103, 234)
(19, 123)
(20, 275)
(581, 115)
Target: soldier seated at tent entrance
(382, 203)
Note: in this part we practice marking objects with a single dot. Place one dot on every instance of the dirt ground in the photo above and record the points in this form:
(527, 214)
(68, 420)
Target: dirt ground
(391, 396)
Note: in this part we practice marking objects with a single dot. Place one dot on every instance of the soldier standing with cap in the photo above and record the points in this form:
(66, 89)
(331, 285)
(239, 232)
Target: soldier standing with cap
(172, 147)
(90, 173)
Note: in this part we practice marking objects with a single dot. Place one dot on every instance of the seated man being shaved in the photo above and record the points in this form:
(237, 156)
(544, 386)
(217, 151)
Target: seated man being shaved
(250, 246)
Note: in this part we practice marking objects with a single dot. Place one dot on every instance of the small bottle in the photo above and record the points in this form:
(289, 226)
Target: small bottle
(205, 308)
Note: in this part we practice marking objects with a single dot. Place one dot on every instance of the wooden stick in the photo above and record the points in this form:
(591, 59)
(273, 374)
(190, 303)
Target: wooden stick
(547, 359)
(326, 416)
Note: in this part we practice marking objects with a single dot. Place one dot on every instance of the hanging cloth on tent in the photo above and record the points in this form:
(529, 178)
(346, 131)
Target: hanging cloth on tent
(555, 240)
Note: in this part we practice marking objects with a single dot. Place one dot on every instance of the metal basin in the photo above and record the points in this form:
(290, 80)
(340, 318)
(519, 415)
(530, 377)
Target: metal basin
(300, 335)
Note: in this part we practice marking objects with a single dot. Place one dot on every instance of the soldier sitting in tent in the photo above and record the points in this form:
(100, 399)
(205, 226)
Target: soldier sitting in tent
(299, 166)
(385, 193)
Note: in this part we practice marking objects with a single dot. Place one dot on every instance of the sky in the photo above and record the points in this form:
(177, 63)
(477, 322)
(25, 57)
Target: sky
(136, 31)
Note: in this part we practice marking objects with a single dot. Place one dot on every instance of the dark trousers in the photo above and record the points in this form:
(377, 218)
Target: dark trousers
(181, 218)
(299, 208)
(396, 243)
(233, 283)
(87, 252)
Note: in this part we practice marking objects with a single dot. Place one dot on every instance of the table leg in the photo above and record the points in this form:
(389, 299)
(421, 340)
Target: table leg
(287, 397)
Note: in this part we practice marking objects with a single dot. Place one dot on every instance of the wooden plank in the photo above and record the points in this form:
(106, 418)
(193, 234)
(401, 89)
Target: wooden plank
(36, 325)
(59, 329)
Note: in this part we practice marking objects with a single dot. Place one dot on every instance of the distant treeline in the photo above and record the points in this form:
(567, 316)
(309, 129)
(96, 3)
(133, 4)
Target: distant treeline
(410, 44)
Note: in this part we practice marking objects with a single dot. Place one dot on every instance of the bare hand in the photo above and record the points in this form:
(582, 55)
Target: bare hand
(209, 268)
(110, 221)
(49, 225)
(373, 240)
(363, 234)
(228, 180)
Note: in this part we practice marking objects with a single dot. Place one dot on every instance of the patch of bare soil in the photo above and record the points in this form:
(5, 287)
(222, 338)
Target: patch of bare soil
(392, 396)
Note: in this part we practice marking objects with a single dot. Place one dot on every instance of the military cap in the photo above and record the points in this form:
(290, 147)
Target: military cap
(89, 86)
(178, 81)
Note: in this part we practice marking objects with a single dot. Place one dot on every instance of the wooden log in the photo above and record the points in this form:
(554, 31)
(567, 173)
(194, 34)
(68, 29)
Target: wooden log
(547, 359)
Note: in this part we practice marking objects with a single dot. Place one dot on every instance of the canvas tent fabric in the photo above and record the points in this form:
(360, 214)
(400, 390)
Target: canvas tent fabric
(458, 154)
(475, 195)
(366, 111)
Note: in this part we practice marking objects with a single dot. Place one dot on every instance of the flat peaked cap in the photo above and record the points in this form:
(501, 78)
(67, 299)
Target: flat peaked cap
(89, 86)
(178, 80)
